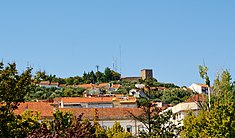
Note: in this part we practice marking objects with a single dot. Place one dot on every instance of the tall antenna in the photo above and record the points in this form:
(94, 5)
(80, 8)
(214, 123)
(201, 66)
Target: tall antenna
(113, 63)
(120, 50)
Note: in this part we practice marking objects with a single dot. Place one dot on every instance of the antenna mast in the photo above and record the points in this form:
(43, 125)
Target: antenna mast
(120, 48)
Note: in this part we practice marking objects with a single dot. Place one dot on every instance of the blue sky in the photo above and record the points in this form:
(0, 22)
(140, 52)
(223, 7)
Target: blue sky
(171, 37)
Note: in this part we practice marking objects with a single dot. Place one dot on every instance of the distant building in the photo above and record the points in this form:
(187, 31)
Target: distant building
(109, 101)
(200, 88)
(146, 74)
(130, 78)
(108, 116)
(49, 84)
(181, 110)
(86, 102)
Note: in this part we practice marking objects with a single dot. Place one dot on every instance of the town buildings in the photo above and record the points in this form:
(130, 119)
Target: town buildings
(193, 104)
(90, 107)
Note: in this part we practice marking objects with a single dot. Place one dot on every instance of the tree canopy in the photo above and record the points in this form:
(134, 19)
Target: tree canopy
(13, 88)
(87, 77)
(219, 119)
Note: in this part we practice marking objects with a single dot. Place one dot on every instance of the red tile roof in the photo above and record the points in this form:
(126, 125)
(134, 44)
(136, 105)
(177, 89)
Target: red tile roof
(161, 88)
(44, 108)
(102, 85)
(106, 113)
(54, 83)
(85, 86)
(203, 85)
(44, 83)
(196, 98)
(86, 99)
(128, 101)
(116, 86)
(62, 85)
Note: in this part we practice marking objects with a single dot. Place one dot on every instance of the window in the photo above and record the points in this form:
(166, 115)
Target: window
(140, 128)
(179, 116)
(205, 90)
(104, 127)
(129, 128)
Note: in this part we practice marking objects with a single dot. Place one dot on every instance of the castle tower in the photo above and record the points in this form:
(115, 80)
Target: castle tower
(146, 74)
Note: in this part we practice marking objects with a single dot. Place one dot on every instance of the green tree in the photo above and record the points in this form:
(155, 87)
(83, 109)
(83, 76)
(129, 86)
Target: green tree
(40, 75)
(13, 88)
(92, 77)
(115, 75)
(99, 131)
(219, 121)
(203, 74)
(195, 126)
(117, 131)
(108, 74)
(64, 126)
(24, 123)
(100, 76)
(158, 125)
(69, 81)
(223, 88)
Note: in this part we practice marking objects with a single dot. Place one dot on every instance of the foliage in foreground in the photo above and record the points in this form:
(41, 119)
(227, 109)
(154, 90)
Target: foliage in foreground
(219, 119)
(157, 124)
(64, 126)
(117, 131)
(13, 88)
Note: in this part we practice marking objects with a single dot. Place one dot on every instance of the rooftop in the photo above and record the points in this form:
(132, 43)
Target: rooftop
(86, 99)
(105, 113)
(196, 98)
(44, 108)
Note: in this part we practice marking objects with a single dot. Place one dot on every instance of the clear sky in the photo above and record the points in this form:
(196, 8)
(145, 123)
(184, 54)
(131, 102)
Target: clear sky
(172, 37)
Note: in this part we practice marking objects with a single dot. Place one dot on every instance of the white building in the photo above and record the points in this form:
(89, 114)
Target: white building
(96, 102)
(181, 110)
(200, 88)
(108, 116)
(86, 102)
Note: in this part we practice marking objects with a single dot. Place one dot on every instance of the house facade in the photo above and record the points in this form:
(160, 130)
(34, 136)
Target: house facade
(108, 116)
(49, 84)
(181, 110)
(86, 102)
(200, 88)
(97, 102)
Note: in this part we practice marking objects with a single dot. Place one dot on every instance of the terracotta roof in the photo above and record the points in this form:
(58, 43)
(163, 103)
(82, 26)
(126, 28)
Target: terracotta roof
(44, 108)
(54, 83)
(86, 99)
(153, 88)
(62, 85)
(161, 88)
(127, 101)
(116, 86)
(105, 113)
(203, 85)
(196, 98)
(85, 86)
(44, 83)
(102, 85)
(118, 95)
